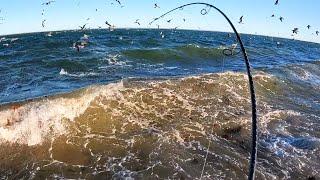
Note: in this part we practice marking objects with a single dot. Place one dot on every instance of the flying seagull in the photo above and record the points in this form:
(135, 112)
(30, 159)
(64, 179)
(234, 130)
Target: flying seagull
(281, 18)
(118, 1)
(137, 22)
(169, 20)
(83, 27)
(277, 2)
(48, 3)
(43, 23)
(241, 19)
(317, 32)
(272, 15)
(107, 23)
(308, 26)
(295, 30)
(156, 5)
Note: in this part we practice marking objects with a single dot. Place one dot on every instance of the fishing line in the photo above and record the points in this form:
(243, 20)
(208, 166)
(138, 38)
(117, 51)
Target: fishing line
(253, 154)
(219, 95)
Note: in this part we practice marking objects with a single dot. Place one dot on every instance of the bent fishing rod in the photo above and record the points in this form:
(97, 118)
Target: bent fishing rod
(254, 127)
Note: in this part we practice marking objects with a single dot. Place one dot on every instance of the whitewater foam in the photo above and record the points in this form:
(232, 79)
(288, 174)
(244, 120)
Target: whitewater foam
(32, 122)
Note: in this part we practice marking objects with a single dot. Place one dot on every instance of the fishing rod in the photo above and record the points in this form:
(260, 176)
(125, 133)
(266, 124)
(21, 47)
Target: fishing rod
(254, 135)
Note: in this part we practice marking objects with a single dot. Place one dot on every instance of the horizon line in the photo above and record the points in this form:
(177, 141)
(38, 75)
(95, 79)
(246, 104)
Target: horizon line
(130, 28)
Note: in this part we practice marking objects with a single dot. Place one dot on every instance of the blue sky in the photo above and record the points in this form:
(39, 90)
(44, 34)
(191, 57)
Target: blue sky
(22, 16)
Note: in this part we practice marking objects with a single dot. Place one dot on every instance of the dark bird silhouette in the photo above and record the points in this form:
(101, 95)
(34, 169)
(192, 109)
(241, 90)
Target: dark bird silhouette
(107, 23)
(137, 22)
(281, 19)
(168, 21)
(83, 27)
(308, 26)
(240, 19)
(156, 5)
(118, 1)
(317, 33)
(184, 20)
(295, 30)
(43, 23)
(272, 15)
(48, 3)
(277, 2)
(96, 9)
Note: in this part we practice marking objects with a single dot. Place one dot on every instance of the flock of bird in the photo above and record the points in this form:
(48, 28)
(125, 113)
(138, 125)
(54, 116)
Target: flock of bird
(137, 21)
(112, 27)
(294, 31)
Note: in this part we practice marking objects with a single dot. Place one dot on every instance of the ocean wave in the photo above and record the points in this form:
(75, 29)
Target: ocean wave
(31, 122)
(136, 126)
(65, 73)
(21, 118)
(186, 52)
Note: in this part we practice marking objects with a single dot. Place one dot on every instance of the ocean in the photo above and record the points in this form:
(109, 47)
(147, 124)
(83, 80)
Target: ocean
(156, 104)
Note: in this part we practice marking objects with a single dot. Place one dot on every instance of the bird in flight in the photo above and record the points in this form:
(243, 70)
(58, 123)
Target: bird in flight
(281, 19)
(47, 3)
(272, 15)
(317, 32)
(277, 2)
(241, 20)
(295, 31)
(184, 20)
(137, 22)
(118, 1)
(308, 26)
(107, 23)
(169, 20)
(83, 27)
(43, 23)
(156, 5)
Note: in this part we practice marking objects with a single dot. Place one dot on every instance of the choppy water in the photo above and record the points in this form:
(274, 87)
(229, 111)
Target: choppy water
(145, 104)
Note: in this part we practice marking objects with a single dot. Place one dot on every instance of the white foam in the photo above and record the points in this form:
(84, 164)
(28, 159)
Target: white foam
(34, 121)
(65, 73)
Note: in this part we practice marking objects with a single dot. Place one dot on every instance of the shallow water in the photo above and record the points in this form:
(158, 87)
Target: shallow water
(134, 104)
